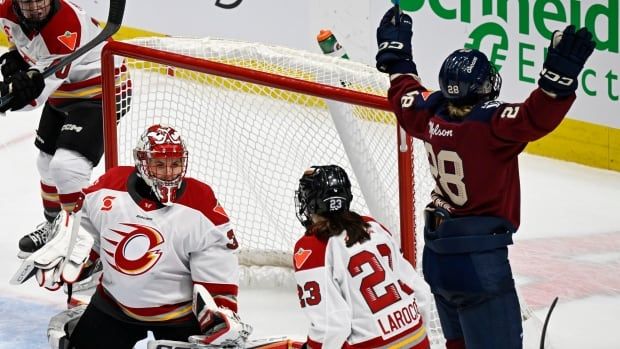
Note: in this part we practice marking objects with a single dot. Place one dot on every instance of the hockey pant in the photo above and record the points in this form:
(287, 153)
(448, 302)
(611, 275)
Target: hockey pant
(465, 262)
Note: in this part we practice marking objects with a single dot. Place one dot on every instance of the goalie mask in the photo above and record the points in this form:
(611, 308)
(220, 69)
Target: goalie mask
(467, 77)
(34, 14)
(161, 161)
(322, 189)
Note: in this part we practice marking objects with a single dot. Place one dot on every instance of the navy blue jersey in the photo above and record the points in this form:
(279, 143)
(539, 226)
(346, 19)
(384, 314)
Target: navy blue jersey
(474, 160)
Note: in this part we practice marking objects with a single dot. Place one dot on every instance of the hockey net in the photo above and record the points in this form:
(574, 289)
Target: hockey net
(250, 136)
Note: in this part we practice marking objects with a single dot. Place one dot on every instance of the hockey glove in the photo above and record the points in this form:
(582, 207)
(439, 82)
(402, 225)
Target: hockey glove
(221, 327)
(25, 86)
(12, 62)
(568, 52)
(394, 40)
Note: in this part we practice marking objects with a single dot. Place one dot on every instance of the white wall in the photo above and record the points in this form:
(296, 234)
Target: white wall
(296, 23)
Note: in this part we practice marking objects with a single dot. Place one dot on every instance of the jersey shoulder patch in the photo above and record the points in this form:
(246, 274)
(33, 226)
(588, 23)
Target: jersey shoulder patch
(309, 253)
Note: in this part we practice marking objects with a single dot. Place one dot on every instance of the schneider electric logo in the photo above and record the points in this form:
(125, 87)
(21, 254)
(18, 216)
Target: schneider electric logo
(535, 19)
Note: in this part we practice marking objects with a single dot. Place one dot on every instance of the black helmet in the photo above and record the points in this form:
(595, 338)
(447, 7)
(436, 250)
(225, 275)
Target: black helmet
(35, 22)
(467, 77)
(322, 189)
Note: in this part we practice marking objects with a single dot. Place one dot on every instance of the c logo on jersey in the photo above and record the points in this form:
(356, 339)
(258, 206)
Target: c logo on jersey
(107, 203)
(136, 252)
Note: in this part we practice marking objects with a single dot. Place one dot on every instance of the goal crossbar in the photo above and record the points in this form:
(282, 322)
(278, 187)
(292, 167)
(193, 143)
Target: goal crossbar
(403, 142)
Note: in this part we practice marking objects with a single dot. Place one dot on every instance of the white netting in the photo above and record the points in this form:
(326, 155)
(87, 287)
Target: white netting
(251, 143)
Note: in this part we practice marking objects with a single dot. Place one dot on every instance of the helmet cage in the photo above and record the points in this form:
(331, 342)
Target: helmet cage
(322, 189)
(161, 142)
(467, 77)
(49, 7)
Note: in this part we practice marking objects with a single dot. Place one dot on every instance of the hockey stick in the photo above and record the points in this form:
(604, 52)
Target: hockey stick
(250, 344)
(115, 17)
(544, 330)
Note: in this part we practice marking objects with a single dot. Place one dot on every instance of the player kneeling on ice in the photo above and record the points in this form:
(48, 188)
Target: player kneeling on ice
(352, 280)
(166, 247)
(473, 142)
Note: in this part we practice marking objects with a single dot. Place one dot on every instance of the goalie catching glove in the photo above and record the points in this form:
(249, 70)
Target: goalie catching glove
(568, 52)
(221, 327)
(62, 258)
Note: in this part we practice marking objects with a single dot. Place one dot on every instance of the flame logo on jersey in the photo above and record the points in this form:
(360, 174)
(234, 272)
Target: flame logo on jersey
(136, 252)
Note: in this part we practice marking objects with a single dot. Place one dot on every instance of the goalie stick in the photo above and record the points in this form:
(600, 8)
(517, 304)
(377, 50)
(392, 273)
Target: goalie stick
(544, 330)
(115, 17)
(265, 343)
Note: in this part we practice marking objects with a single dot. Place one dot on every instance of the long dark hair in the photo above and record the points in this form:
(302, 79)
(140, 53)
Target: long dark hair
(335, 223)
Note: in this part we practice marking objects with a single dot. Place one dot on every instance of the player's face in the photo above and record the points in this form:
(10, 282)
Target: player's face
(35, 10)
(166, 169)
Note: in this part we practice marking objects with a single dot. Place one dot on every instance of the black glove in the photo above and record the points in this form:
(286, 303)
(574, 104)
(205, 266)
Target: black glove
(567, 54)
(26, 86)
(12, 62)
(394, 41)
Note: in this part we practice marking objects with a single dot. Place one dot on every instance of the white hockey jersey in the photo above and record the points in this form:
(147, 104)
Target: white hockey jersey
(68, 29)
(360, 296)
(152, 255)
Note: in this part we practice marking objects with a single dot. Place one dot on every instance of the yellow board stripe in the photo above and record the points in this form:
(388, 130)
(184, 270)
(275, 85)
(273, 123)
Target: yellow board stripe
(581, 142)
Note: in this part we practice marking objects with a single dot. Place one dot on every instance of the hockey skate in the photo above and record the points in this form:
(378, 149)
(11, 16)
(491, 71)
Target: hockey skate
(35, 240)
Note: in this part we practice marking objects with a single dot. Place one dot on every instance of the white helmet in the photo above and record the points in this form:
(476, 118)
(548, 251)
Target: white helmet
(161, 148)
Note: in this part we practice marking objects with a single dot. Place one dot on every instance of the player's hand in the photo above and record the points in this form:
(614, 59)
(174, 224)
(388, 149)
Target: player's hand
(394, 41)
(25, 86)
(12, 62)
(568, 52)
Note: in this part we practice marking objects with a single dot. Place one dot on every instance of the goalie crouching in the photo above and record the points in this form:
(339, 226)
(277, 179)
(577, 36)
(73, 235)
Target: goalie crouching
(166, 248)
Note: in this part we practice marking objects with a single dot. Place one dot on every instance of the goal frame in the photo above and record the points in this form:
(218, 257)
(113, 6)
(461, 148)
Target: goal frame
(404, 143)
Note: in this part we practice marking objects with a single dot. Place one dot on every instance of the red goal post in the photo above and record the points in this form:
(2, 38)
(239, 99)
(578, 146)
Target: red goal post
(165, 60)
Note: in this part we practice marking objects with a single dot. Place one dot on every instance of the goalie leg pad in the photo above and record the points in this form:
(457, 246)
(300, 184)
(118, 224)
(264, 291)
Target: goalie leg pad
(61, 327)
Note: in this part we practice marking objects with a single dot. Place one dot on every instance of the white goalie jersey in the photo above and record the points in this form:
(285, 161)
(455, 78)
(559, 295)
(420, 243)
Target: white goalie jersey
(152, 255)
(363, 296)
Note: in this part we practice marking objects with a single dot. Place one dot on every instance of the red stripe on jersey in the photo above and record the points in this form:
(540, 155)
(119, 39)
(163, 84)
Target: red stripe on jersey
(49, 189)
(415, 338)
(315, 258)
(217, 289)
(313, 344)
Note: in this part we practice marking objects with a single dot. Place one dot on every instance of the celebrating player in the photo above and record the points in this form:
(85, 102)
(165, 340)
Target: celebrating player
(353, 283)
(70, 133)
(473, 142)
(166, 247)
